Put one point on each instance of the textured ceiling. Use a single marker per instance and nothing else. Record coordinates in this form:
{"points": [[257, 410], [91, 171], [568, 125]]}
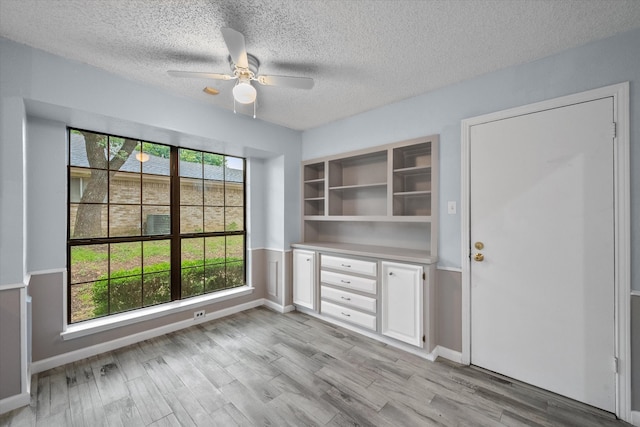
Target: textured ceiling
{"points": [[361, 54]]}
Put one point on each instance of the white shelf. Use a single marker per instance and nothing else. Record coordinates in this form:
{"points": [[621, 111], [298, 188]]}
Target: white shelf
{"points": [[357, 186], [364, 218]]}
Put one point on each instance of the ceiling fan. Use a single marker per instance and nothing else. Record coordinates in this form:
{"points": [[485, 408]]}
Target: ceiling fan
{"points": [[244, 69]]}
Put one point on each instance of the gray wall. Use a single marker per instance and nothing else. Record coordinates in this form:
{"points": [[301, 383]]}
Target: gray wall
{"points": [[10, 381], [602, 63], [635, 351]]}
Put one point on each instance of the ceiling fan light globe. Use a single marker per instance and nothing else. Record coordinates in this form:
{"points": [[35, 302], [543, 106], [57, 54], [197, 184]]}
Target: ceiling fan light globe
{"points": [[244, 93]]}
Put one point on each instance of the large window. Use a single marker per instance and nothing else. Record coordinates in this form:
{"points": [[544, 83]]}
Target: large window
{"points": [[150, 223]]}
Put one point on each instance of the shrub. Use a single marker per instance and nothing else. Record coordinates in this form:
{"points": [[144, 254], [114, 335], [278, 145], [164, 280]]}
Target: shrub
{"points": [[124, 291]]}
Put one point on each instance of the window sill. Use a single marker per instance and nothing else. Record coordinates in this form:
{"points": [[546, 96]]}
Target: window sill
{"points": [[136, 316]]}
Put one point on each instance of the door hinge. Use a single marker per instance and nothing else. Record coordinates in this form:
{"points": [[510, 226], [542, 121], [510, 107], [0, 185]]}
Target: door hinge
{"points": [[424, 338], [424, 276], [614, 132], [616, 364]]}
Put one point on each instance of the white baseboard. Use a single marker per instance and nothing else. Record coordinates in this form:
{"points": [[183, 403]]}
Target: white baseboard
{"points": [[73, 356], [14, 402], [635, 418], [447, 353], [277, 307]]}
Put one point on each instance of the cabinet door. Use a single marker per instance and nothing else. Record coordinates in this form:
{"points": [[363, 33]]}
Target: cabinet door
{"points": [[402, 302], [304, 278]]}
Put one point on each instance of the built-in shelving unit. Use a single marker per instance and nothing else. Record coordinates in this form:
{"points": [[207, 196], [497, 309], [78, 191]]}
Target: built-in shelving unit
{"points": [[314, 189], [383, 196]]}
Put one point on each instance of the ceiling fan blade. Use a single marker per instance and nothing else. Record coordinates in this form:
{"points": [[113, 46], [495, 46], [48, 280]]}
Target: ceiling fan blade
{"points": [[200, 75], [235, 43], [286, 81]]}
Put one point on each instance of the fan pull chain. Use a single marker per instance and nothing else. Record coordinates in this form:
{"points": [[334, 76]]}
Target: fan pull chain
{"points": [[254, 109], [234, 105]]}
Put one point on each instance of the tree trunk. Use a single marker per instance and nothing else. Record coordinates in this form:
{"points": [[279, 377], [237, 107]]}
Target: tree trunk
{"points": [[89, 215]]}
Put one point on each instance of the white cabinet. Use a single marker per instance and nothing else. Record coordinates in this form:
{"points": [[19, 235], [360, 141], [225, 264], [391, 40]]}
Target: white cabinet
{"points": [[402, 302], [304, 278]]}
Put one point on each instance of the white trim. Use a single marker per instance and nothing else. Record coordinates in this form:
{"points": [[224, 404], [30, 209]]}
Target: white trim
{"points": [[277, 307], [456, 269], [635, 293], [620, 94], [48, 271], [14, 402], [10, 286], [446, 353], [635, 418], [143, 314], [83, 353]]}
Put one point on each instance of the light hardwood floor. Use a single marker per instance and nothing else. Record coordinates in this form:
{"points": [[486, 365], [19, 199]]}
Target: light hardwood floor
{"points": [[260, 368]]}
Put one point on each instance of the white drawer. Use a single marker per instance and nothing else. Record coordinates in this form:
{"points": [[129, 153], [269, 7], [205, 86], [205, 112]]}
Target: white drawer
{"points": [[349, 315], [347, 264], [346, 281], [349, 299]]}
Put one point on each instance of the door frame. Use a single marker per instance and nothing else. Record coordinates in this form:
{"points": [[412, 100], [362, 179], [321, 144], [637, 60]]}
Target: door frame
{"points": [[622, 227]]}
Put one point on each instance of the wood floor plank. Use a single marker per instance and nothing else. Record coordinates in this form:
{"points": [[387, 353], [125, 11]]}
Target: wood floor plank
{"points": [[123, 413], [268, 369], [147, 398]]}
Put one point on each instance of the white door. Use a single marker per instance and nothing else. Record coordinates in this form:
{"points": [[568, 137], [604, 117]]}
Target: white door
{"points": [[304, 267], [542, 300], [402, 308]]}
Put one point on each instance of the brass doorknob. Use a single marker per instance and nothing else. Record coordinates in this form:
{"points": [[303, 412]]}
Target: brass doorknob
{"points": [[478, 257], [479, 246]]}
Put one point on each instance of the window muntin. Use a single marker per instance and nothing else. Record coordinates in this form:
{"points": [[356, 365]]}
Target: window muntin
{"points": [[121, 249]]}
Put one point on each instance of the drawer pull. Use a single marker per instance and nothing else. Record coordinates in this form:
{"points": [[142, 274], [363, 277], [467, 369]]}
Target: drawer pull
{"points": [[346, 298], [346, 265], [345, 314], [345, 281]]}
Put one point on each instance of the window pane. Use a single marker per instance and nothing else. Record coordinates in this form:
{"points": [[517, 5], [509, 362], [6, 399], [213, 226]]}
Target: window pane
{"points": [[124, 188], [233, 194], [192, 252], [157, 161], [87, 302], [190, 163], [156, 190], [82, 142], [235, 274], [125, 293], [126, 259], [121, 155], [124, 220], [190, 191], [192, 281], [94, 185], [215, 250], [191, 219], [234, 219], [213, 219], [156, 220], [87, 221], [89, 263], [214, 277], [213, 193], [156, 288], [235, 247], [156, 256]]}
